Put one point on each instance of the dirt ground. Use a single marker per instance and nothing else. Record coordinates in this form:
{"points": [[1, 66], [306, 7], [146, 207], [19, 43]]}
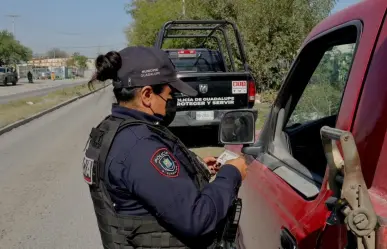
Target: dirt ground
{"points": [[208, 151], [202, 142]]}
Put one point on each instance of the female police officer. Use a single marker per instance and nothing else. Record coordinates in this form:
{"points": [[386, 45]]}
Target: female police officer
{"points": [[148, 190]]}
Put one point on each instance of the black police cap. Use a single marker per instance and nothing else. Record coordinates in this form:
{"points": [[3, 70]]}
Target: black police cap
{"points": [[146, 66]]}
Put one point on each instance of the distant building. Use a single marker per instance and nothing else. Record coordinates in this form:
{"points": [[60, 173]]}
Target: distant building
{"points": [[54, 62], [44, 66], [91, 64]]}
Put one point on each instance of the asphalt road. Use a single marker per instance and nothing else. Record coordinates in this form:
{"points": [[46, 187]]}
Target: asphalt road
{"points": [[44, 202], [39, 88]]}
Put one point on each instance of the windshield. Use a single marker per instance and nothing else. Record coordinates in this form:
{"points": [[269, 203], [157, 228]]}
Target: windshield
{"points": [[2, 70], [205, 61]]}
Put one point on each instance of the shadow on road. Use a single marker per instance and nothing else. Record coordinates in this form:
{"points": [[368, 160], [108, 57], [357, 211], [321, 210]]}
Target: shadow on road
{"points": [[196, 138], [10, 85]]}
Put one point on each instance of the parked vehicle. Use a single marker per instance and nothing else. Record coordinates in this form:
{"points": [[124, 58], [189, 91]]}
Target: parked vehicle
{"points": [[311, 186], [8, 76], [42, 73], [221, 86]]}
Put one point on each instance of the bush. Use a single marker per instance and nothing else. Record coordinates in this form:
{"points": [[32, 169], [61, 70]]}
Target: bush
{"points": [[272, 30], [268, 96], [317, 101]]}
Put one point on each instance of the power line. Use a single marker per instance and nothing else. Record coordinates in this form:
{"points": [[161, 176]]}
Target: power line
{"points": [[94, 46], [82, 33], [68, 33], [13, 16], [98, 48]]}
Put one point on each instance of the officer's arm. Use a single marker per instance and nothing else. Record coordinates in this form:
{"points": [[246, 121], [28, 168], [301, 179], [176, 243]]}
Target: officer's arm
{"points": [[160, 181]]}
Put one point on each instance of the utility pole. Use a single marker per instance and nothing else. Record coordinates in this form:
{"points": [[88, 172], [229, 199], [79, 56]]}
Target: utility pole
{"points": [[183, 8], [13, 16]]}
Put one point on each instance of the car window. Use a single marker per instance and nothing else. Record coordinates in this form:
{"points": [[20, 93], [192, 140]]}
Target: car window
{"points": [[2, 70], [201, 61], [322, 96]]}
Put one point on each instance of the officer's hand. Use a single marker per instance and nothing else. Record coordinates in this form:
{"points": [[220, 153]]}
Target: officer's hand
{"points": [[212, 165], [240, 164], [209, 160]]}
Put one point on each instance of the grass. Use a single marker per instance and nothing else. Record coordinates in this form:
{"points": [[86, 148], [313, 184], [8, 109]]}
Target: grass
{"points": [[263, 111], [24, 108]]}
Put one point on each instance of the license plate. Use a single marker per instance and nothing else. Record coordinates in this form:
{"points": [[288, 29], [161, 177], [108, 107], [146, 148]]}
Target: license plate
{"points": [[205, 115]]}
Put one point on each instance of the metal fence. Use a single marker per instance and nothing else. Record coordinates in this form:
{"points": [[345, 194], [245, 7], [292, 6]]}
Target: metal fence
{"points": [[40, 72], [22, 70]]}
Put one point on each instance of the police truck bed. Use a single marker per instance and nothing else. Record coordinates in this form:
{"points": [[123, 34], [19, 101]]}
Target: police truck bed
{"points": [[221, 87]]}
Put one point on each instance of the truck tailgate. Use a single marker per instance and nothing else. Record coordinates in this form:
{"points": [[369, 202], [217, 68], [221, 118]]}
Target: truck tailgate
{"points": [[216, 91]]}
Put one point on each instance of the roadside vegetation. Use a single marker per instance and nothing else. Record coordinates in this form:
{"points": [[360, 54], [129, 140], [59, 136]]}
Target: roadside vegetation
{"points": [[24, 108], [11, 50], [272, 32]]}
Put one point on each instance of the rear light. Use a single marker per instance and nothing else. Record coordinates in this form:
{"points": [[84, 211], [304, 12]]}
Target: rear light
{"points": [[251, 91], [187, 53]]}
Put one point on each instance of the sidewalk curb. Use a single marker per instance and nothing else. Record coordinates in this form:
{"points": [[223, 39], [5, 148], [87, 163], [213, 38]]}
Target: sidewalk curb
{"points": [[40, 114]]}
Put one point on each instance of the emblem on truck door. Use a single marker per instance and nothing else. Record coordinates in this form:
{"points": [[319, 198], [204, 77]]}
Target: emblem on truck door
{"points": [[203, 88]]}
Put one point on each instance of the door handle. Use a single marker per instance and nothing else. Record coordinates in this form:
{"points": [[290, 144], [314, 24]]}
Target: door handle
{"points": [[287, 240]]}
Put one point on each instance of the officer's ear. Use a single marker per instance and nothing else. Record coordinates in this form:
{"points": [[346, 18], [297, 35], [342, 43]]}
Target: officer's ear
{"points": [[146, 95]]}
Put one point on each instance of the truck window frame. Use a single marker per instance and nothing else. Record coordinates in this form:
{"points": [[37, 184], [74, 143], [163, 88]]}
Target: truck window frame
{"points": [[298, 176]]}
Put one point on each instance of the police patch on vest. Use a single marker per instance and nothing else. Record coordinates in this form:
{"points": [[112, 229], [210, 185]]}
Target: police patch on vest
{"points": [[165, 163], [88, 170]]}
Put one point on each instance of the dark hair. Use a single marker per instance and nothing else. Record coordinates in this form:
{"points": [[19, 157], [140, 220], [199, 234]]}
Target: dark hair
{"points": [[107, 68]]}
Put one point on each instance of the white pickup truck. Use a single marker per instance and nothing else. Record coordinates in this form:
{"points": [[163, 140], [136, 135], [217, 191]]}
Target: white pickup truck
{"points": [[7, 76]]}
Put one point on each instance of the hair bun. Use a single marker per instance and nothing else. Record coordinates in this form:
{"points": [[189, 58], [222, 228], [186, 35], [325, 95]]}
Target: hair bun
{"points": [[108, 65]]}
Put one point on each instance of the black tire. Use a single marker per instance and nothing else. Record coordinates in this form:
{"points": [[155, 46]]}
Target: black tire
{"points": [[5, 81], [14, 83]]}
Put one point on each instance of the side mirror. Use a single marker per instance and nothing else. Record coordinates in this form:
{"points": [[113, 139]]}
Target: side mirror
{"points": [[237, 127]]}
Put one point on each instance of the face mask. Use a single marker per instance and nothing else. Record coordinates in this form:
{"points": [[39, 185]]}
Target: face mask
{"points": [[170, 112]]}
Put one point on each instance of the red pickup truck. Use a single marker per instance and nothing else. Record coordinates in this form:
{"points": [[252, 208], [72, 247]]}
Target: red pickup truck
{"points": [[305, 186]]}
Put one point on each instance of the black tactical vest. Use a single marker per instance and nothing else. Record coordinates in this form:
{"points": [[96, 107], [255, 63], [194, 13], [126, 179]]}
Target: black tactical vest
{"points": [[123, 231]]}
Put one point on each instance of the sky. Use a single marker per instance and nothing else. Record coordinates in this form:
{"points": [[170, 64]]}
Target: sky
{"points": [[86, 26]]}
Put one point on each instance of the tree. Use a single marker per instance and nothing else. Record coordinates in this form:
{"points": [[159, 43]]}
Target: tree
{"points": [[11, 50], [148, 17], [272, 30], [56, 53], [77, 60], [322, 96]]}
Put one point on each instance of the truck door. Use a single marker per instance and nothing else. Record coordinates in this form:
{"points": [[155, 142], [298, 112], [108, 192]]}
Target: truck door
{"points": [[285, 190]]}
